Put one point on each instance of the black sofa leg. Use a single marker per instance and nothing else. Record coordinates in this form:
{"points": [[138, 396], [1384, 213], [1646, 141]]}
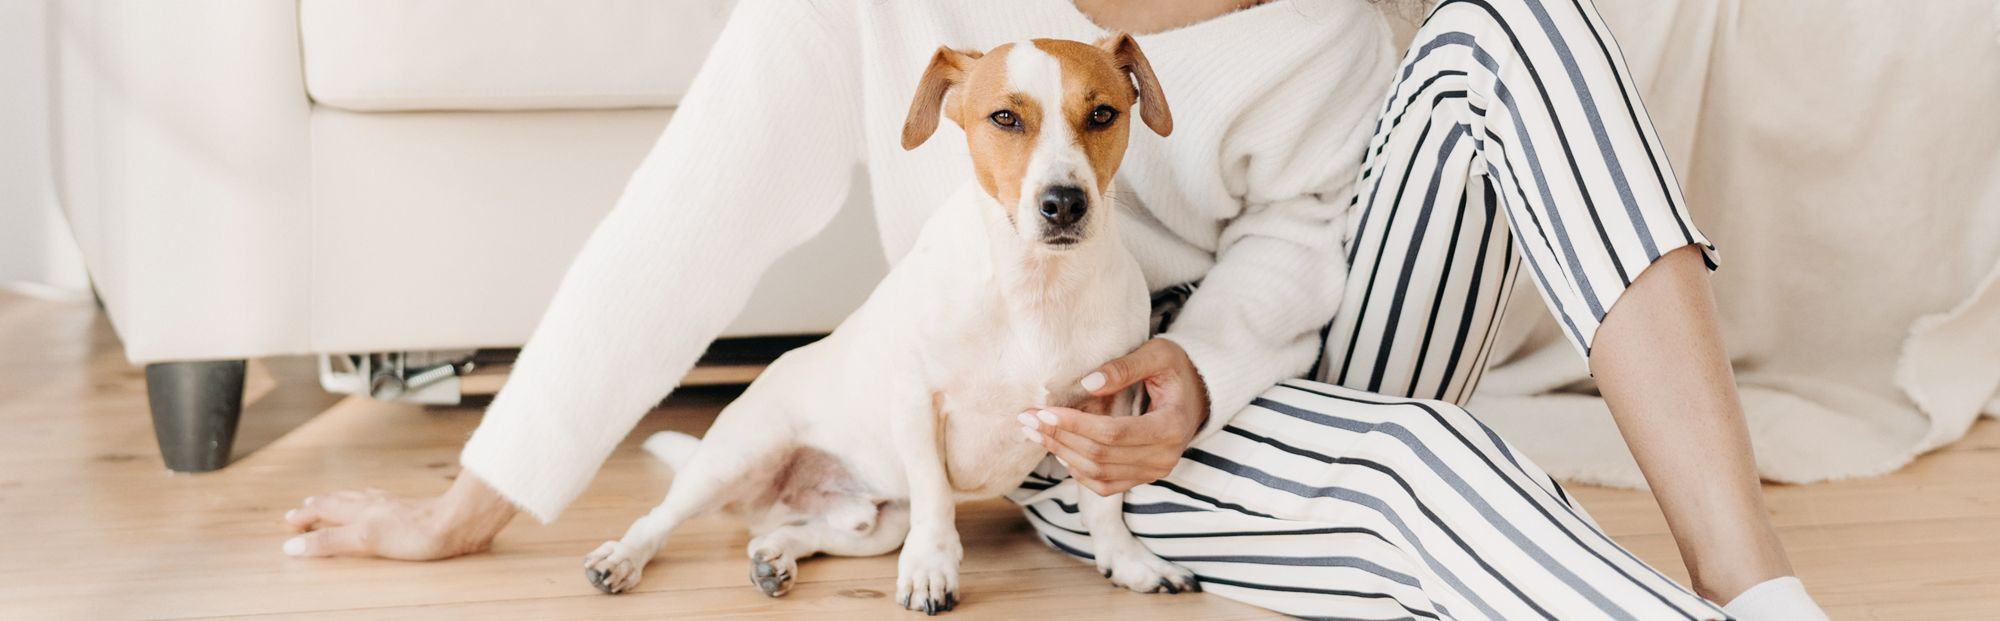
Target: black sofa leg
{"points": [[195, 409]]}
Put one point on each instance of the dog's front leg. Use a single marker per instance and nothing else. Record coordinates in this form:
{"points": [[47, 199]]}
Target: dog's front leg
{"points": [[1120, 556], [927, 572]]}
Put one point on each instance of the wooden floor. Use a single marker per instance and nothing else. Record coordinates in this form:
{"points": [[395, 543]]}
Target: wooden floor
{"points": [[92, 527]]}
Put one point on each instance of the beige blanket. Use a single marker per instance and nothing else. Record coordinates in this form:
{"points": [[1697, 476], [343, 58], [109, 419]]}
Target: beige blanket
{"points": [[1845, 158]]}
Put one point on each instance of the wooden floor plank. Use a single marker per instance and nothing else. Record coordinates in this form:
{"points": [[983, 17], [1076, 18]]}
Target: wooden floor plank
{"points": [[96, 529]]}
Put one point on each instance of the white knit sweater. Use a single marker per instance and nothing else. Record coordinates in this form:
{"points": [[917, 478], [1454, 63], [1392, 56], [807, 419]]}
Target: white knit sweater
{"points": [[1273, 107]]}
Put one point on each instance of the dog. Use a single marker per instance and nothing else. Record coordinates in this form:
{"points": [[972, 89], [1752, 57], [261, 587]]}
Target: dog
{"points": [[1018, 286]]}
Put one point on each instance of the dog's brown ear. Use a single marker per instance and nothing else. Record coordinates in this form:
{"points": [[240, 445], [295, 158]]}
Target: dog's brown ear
{"points": [[946, 71], [1152, 101]]}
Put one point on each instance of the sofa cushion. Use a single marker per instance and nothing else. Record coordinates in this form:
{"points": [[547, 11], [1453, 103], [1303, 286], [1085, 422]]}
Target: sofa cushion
{"points": [[382, 55]]}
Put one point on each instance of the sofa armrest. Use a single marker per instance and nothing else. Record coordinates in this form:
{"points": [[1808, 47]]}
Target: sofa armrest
{"points": [[180, 139]]}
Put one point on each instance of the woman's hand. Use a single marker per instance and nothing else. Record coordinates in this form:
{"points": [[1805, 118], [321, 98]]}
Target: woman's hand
{"points": [[1110, 455], [374, 523]]}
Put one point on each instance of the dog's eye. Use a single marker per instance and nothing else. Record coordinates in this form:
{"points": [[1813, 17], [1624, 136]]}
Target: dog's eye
{"points": [[1006, 119], [1103, 116]]}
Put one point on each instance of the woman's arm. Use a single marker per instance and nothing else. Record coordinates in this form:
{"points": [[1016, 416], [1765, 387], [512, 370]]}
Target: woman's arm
{"points": [[756, 160], [1660, 364]]}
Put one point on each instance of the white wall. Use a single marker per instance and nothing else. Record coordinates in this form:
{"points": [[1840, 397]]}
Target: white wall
{"points": [[36, 250]]}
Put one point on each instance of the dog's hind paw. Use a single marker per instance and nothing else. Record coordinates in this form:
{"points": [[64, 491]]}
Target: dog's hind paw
{"points": [[612, 568], [1139, 570], [772, 571]]}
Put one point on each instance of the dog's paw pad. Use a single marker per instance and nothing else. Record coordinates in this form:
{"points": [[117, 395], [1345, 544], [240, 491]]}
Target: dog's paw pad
{"points": [[605, 581], [775, 586], [772, 572], [611, 569], [600, 579]]}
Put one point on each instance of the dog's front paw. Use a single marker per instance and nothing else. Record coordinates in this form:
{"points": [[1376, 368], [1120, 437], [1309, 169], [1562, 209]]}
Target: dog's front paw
{"points": [[614, 567], [927, 575], [1132, 566]]}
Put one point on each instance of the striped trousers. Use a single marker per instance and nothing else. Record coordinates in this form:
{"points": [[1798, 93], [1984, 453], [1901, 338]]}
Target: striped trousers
{"points": [[1513, 133]]}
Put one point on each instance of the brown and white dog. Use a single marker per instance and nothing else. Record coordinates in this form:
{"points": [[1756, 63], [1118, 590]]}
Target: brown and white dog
{"points": [[1015, 289]]}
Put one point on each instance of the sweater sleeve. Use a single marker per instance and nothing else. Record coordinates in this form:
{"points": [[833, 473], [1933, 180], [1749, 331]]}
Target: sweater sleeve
{"points": [[1255, 319], [1279, 268], [756, 160]]}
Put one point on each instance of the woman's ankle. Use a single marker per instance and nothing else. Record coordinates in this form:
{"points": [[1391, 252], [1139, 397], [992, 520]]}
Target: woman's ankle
{"points": [[1724, 562], [1725, 581]]}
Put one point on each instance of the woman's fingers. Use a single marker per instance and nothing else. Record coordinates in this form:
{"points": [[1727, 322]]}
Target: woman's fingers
{"points": [[1145, 463], [337, 508], [1082, 465], [1086, 447], [1127, 450], [302, 519], [1148, 360], [1051, 422], [351, 540], [1107, 430], [338, 524]]}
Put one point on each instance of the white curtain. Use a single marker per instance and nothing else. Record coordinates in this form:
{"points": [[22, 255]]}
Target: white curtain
{"points": [[1844, 155], [37, 254]]}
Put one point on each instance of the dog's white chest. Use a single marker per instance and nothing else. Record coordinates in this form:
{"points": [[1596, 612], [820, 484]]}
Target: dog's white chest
{"points": [[1000, 328], [1023, 368]]}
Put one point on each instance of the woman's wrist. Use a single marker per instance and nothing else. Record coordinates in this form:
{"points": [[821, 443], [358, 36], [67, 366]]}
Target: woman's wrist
{"points": [[471, 512]]}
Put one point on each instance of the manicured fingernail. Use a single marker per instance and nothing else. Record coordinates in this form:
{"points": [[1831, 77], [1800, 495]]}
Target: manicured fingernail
{"points": [[1093, 381], [295, 546], [1059, 460], [1046, 416], [1031, 435], [292, 515], [1026, 420]]}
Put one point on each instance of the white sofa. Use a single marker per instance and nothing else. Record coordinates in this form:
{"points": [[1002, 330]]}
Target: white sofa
{"points": [[252, 179]]}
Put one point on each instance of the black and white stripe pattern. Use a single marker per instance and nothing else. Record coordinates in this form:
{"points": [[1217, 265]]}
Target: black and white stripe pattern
{"points": [[1513, 131], [1329, 502]]}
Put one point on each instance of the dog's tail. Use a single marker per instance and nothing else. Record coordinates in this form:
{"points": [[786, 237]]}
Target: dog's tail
{"points": [[673, 447]]}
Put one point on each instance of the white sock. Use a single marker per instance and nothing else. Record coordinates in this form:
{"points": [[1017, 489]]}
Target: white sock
{"points": [[1777, 599]]}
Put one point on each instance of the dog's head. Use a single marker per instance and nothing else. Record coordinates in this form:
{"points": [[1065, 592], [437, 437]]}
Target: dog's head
{"points": [[1047, 124]]}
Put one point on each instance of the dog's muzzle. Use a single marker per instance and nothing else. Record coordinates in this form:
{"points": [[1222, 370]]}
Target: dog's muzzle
{"points": [[1062, 208]]}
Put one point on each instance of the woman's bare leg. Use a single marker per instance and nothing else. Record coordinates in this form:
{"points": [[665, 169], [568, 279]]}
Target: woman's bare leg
{"points": [[1660, 363]]}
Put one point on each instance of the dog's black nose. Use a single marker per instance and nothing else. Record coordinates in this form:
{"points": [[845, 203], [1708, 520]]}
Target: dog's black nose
{"points": [[1064, 205]]}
